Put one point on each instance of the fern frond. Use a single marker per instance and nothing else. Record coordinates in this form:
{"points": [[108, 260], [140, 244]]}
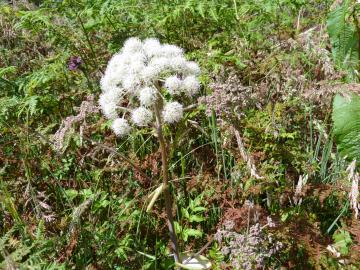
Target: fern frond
{"points": [[344, 38]]}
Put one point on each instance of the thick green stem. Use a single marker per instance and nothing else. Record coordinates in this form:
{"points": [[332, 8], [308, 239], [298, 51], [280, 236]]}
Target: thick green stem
{"points": [[168, 201]]}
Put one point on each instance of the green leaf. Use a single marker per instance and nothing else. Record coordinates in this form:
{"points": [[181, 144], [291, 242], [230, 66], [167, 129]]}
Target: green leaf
{"points": [[343, 37], [87, 193], [196, 218], [198, 209], [193, 232], [185, 213], [71, 193], [284, 217], [200, 9], [342, 241], [346, 118], [178, 227]]}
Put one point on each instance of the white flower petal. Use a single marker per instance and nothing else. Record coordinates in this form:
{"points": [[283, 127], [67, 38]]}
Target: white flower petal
{"points": [[171, 50], [178, 64]]}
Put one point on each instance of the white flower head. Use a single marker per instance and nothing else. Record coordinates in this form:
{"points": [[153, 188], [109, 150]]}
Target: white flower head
{"points": [[173, 112], [132, 45], [173, 84], [109, 110], [115, 61], [152, 47], [191, 85], [136, 69], [141, 72], [160, 63], [138, 57], [141, 116], [109, 81], [121, 127], [171, 50], [130, 83], [192, 68], [179, 64], [150, 73], [148, 96], [108, 102]]}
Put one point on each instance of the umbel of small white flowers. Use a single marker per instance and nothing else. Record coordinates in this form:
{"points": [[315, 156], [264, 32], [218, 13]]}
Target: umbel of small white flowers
{"points": [[141, 75]]}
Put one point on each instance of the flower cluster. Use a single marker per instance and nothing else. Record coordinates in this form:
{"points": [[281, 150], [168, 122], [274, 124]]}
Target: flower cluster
{"points": [[142, 75], [248, 250], [229, 97], [74, 62]]}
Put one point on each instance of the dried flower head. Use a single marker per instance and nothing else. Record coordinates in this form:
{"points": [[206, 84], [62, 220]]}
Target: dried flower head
{"points": [[140, 77]]}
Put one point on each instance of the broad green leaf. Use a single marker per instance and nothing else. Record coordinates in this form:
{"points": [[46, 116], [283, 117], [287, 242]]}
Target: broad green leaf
{"points": [[198, 209], [185, 213], [346, 118], [71, 193], [196, 218], [193, 232]]}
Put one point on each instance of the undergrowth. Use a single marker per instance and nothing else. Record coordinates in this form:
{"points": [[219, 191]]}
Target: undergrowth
{"points": [[268, 152]]}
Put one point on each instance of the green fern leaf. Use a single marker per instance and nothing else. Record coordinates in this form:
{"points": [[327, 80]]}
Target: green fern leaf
{"points": [[343, 37]]}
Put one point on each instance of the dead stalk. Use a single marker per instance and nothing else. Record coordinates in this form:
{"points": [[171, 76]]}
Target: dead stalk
{"points": [[245, 156]]}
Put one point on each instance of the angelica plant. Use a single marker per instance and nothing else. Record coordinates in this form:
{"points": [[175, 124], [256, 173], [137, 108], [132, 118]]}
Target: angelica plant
{"points": [[142, 87]]}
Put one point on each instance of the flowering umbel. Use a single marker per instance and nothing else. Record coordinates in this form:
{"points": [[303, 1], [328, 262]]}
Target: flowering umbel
{"points": [[141, 75]]}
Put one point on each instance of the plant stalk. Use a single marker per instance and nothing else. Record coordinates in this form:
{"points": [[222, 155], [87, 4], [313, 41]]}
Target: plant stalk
{"points": [[167, 196]]}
